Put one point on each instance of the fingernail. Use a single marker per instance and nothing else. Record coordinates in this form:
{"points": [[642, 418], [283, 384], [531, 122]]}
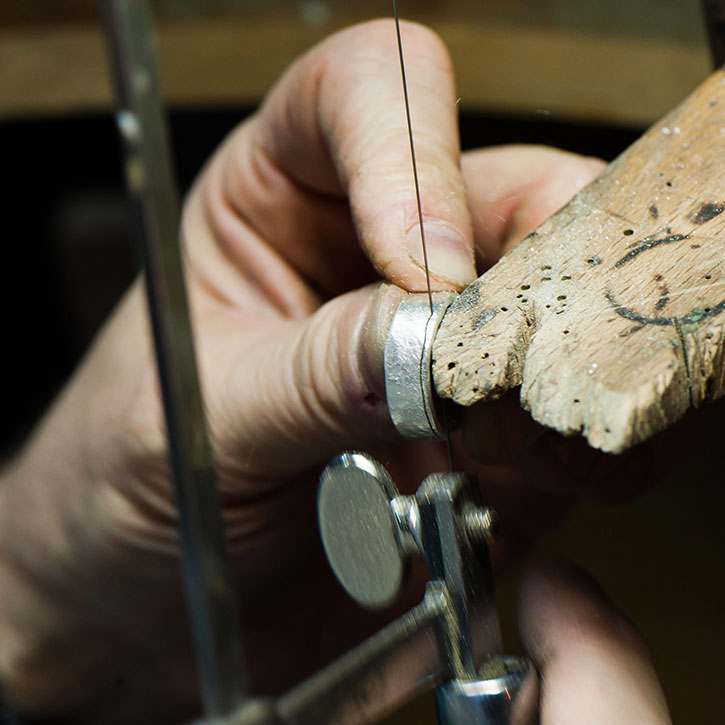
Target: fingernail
{"points": [[450, 257]]}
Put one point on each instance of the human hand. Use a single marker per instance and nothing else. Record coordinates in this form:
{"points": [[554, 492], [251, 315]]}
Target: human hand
{"points": [[306, 203], [593, 666]]}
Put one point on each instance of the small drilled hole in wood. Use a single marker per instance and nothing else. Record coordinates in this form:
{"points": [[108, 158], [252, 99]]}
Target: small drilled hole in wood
{"points": [[565, 278], [561, 297], [708, 276], [504, 309], [451, 365], [576, 400], [525, 286], [628, 232]]}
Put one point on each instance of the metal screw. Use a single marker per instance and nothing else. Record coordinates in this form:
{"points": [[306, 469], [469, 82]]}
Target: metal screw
{"points": [[407, 518], [480, 524]]}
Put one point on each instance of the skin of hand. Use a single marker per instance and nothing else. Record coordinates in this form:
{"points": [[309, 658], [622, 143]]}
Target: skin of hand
{"points": [[593, 666], [301, 210]]}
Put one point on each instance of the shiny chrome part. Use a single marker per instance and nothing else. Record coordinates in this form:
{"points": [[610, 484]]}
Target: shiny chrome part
{"points": [[150, 179], [360, 531], [389, 667], [405, 510], [464, 569], [480, 524], [407, 364], [510, 698], [441, 639]]}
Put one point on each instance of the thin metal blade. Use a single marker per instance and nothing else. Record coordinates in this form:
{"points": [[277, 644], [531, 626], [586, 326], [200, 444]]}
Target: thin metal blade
{"points": [[412, 153], [208, 578], [446, 422]]}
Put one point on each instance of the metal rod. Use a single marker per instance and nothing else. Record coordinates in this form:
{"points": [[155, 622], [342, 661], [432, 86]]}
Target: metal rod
{"points": [[207, 572], [366, 682]]}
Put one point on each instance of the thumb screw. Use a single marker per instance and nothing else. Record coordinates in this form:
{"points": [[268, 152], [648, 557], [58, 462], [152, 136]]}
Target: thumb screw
{"points": [[480, 524]]}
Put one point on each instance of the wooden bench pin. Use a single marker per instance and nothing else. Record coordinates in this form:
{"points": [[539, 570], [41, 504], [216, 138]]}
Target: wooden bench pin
{"points": [[611, 315]]}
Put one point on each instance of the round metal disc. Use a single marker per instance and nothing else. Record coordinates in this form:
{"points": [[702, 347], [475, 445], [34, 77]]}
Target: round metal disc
{"points": [[358, 529]]}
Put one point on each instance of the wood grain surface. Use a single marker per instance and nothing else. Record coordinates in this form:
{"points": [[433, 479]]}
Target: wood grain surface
{"points": [[610, 315]]}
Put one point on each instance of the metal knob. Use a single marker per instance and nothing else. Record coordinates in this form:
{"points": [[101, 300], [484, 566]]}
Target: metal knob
{"points": [[360, 530]]}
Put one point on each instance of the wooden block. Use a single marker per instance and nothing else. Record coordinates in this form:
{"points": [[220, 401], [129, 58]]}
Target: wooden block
{"points": [[610, 315]]}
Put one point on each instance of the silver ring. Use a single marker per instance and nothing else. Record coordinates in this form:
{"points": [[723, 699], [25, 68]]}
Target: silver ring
{"points": [[407, 365]]}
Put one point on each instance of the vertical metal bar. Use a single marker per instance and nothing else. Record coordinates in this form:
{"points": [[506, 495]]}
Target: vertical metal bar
{"points": [[207, 572]]}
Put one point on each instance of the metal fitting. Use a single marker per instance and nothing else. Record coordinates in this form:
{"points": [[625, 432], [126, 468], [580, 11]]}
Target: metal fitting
{"points": [[480, 524]]}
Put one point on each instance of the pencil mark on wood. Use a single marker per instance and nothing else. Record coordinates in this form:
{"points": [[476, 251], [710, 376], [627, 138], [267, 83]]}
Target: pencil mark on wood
{"points": [[666, 231], [707, 212], [648, 243], [485, 317], [663, 301], [631, 330], [693, 317]]}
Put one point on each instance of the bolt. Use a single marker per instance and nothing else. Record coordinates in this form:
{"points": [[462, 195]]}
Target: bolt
{"points": [[407, 518], [480, 524]]}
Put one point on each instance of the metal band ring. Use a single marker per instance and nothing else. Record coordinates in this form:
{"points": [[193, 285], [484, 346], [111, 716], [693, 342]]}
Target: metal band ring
{"points": [[407, 364]]}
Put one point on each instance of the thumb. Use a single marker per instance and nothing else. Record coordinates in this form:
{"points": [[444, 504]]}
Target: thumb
{"points": [[305, 390]]}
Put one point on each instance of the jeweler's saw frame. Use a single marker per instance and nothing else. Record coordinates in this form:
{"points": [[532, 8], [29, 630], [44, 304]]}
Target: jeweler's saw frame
{"points": [[440, 642]]}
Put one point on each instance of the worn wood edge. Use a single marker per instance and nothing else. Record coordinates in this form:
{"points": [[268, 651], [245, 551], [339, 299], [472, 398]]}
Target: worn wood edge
{"points": [[612, 422], [499, 68]]}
